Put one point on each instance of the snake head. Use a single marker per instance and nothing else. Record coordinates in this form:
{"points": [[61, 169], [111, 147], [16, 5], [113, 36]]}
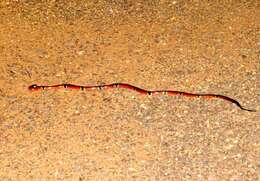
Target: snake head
{"points": [[33, 87]]}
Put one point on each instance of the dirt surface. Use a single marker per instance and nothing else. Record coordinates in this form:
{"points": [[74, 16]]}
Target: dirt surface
{"points": [[194, 46]]}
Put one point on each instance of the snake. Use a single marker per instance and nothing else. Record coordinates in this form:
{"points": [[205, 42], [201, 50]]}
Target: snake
{"points": [[35, 87]]}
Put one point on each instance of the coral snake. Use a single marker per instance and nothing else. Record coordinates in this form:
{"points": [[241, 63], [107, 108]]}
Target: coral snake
{"points": [[36, 87]]}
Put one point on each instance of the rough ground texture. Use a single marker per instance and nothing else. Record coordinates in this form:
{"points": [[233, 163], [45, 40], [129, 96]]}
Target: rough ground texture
{"points": [[195, 46]]}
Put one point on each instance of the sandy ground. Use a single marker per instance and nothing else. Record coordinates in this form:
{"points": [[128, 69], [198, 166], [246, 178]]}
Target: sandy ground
{"points": [[195, 46]]}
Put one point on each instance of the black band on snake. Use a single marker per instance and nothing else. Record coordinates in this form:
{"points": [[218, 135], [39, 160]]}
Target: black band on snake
{"points": [[36, 87]]}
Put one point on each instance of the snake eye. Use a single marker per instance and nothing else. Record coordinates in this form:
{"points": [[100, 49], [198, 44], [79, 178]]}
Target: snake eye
{"points": [[32, 87]]}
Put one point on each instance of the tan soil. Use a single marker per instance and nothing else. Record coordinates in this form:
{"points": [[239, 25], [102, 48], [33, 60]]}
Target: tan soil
{"points": [[196, 46]]}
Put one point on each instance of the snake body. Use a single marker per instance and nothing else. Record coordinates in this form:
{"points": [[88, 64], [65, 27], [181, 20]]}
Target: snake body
{"points": [[36, 87]]}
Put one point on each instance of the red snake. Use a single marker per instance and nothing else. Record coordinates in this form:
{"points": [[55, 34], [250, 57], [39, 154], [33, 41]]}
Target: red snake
{"points": [[36, 87]]}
